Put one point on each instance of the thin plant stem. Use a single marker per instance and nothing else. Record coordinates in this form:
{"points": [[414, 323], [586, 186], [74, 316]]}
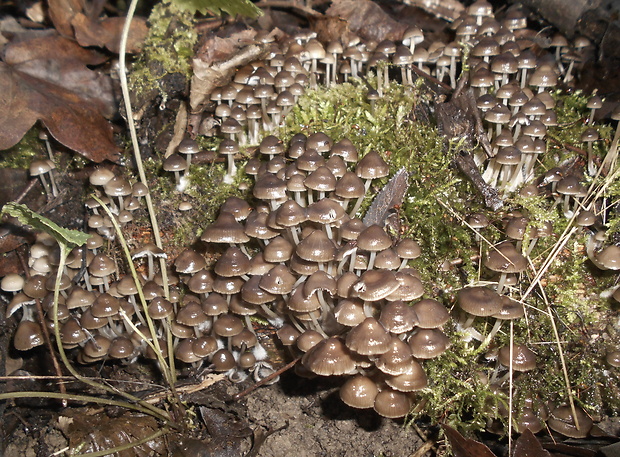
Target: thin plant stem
{"points": [[167, 370], [134, 140], [157, 412], [83, 399]]}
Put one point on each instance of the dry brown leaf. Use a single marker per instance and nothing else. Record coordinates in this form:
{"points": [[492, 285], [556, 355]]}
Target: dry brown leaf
{"points": [[216, 62], [107, 32], [465, 447], [63, 62], [74, 18], [99, 432], [69, 119], [367, 19], [528, 446], [62, 12]]}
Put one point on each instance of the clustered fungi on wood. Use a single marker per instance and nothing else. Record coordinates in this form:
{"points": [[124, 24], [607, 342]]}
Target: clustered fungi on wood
{"points": [[304, 261]]}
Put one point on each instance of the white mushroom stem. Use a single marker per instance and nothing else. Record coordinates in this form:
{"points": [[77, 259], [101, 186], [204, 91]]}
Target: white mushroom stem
{"points": [[501, 283], [591, 245], [229, 178], [316, 324]]}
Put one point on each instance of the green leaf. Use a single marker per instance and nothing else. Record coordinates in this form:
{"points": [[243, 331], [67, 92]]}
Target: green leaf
{"points": [[26, 216], [232, 7]]}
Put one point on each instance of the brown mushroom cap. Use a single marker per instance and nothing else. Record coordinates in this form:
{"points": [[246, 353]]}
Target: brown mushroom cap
{"points": [[375, 285], [330, 357], [372, 166], [431, 313], [359, 392], [232, 263], [225, 229], [479, 301], [562, 421], [412, 379], [523, 359], [392, 404], [350, 312], [189, 262], [396, 359], [397, 317], [368, 338], [428, 343], [316, 247], [223, 360], [27, 336]]}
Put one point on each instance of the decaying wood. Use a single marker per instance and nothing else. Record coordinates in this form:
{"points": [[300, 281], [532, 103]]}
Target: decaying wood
{"points": [[458, 119]]}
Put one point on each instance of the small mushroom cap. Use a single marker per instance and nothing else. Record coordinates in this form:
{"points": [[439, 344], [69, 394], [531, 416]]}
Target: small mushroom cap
{"points": [[431, 313], [350, 312], [609, 257], [562, 421], [12, 283], [278, 281], [232, 263], [308, 339], [121, 348], [288, 334], [368, 338], [392, 404], [359, 392], [523, 359], [204, 346], [375, 285], [225, 229], [372, 166], [27, 336], [191, 315], [428, 343], [189, 262], [223, 360], [374, 239], [316, 247], [412, 379], [479, 301], [398, 317], [330, 357], [396, 359], [184, 351]]}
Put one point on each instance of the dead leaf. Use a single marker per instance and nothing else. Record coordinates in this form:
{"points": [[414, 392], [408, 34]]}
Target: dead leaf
{"points": [[69, 119], [62, 12], [76, 18], [217, 60], [99, 432], [63, 62], [528, 446], [367, 19], [107, 32], [465, 447]]}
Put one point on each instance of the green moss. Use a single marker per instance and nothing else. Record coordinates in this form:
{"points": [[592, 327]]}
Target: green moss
{"points": [[436, 203], [167, 50], [28, 149]]}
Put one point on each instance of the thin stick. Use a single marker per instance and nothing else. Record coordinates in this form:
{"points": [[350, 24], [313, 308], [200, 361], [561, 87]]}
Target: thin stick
{"points": [[134, 140], [562, 359], [510, 387], [266, 380]]}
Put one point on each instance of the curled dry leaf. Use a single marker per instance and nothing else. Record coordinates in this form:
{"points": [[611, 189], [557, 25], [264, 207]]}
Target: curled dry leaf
{"points": [[69, 119], [77, 18], [64, 63], [107, 32], [367, 19], [216, 62]]}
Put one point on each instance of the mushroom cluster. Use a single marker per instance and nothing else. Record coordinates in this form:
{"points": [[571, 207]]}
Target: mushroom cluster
{"points": [[338, 288]]}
